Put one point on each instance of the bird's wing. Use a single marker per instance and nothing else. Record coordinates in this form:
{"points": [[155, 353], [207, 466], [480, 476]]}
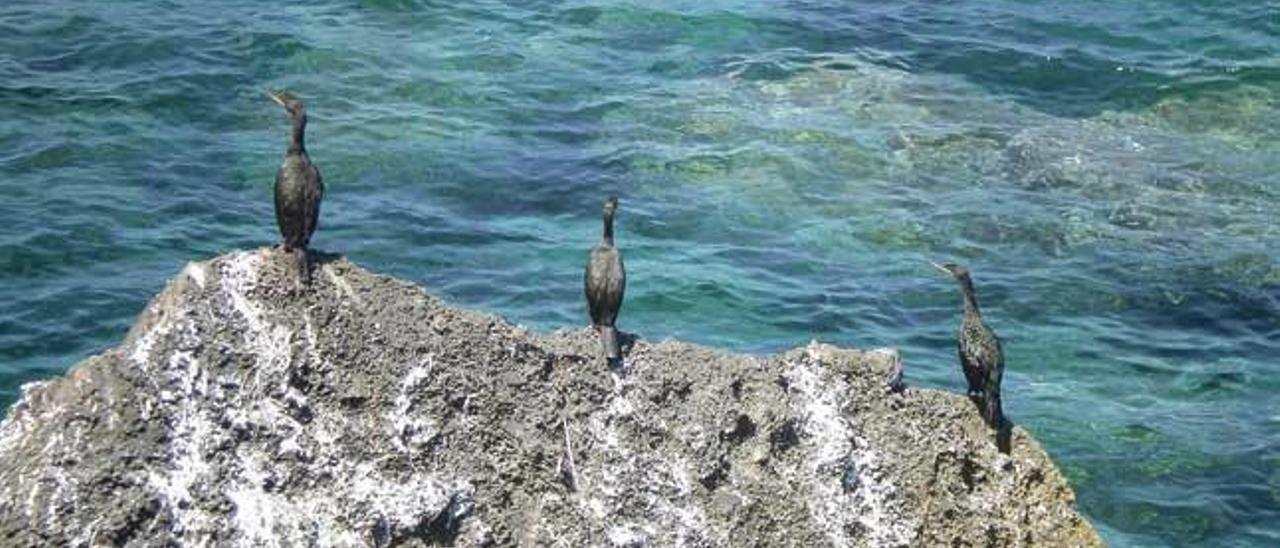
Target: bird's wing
{"points": [[984, 355], [992, 411], [278, 189], [616, 286], [970, 359], [604, 284], [280, 200], [995, 372], [622, 285], [964, 357], [315, 196], [593, 282]]}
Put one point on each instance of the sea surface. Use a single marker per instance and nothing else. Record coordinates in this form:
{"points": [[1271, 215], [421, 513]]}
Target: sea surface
{"points": [[1110, 172]]}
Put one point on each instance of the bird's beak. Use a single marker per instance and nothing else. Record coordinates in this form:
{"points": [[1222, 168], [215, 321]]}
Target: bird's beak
{"points": [[939, 267], [275, 97]]}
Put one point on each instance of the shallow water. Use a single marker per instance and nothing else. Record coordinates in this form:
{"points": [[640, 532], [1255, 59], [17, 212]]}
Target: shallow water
{"points": [[1110, 173]]}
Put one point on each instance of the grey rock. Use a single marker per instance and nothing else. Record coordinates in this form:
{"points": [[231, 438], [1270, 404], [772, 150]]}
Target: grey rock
{"points": [[366, 412]]}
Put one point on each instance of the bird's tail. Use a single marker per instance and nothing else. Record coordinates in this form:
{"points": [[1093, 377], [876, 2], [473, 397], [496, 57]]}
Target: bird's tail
{"points": [[609, 340], [992, 412], [304, 270]]}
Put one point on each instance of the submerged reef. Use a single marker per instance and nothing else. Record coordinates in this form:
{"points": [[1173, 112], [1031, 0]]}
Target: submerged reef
{"points": [[363, 411]]}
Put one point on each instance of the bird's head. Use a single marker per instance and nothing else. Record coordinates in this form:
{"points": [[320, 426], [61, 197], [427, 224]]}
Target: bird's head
{"points": [[611, 206], [289, 102], [955, 270]]}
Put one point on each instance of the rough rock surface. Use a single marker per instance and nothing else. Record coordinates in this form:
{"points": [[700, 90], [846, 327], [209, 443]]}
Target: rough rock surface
{"points": [[240, 411]]}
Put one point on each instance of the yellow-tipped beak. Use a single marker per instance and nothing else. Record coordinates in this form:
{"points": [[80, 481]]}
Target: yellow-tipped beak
{"points": [[939, 267], [275, 97]]}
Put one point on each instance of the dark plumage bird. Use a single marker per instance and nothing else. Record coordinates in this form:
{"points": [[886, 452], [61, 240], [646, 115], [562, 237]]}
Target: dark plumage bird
{"points": [[299, 189], [605, 282], [980, 355]]}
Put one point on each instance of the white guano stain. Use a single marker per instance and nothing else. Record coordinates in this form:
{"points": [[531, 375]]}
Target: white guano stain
{"points": [[409, 432], [620, 465], [361, 501], [832, 446], [196, 272], [188, 434], [22, 420]]}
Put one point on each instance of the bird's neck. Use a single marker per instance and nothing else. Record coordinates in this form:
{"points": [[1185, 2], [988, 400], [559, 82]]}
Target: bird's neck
{"points": [[970, 298], [297, 141], [608, 230]]}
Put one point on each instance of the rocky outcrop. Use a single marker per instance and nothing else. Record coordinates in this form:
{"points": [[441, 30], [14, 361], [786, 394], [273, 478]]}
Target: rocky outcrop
{"points": [[241, 411]]}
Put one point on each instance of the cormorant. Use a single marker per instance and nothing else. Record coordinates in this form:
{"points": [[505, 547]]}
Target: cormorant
{"points": [[605, 282], [980, 355], [299, 188]]}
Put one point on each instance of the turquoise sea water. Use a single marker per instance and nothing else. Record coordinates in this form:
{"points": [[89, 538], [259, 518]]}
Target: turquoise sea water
{"points": [[1110, 171]]}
